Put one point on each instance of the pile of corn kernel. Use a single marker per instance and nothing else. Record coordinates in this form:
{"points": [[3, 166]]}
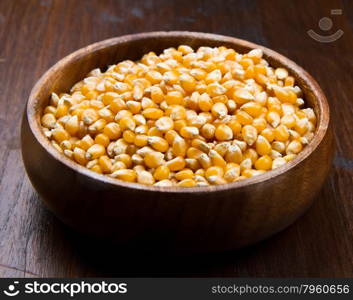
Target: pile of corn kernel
{"points": [[182, 118]]}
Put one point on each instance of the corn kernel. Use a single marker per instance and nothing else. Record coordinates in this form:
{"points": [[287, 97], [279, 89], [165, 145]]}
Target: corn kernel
{"points": [[223, 133], [176, 164], [264, 163]]}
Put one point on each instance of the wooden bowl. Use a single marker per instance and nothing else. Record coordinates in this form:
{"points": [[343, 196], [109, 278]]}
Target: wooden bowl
{"points": [[211, 218]]}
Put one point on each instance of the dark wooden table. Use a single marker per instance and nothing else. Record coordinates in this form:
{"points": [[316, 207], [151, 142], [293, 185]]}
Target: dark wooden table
{"points": [[35, 34]]}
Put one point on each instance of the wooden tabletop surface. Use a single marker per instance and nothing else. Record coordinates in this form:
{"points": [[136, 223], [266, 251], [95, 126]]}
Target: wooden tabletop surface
{"points": [[34, 34]]}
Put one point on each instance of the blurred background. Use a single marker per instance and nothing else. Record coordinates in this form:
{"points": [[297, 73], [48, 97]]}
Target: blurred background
{"points": [[34, 34]]}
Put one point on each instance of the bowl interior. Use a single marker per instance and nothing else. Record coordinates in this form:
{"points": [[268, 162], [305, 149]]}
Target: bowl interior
{"points": [[73, 68]]}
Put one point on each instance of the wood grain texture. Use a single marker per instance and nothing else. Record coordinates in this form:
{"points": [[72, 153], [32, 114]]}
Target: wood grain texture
{"points": [[35, 34]]}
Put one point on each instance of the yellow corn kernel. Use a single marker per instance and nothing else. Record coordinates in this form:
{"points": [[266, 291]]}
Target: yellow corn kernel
{"points": [[95, 151], [187, 82], [154, 77], [274, 105], [66, 145], [105, 164], [102, 139], [89, 116], [153, 159], [138, 91], [285, 95], [252, 154], [251, 172], [205, 102], [219, 110], [193, 152], [61, 110], [49, 121], [97, 168], [263, 146], [141, 140], [164, 183], [223, 133], [161, 173], [214, 171], [134, 106], [158, 143], [231, 105], [281, 73], [244, 118], [187, 183], [204, 160], [50, 110], [249, 134], [222, 148], [170, 135], [60, 134], [126, 123], [176, 164], [145, 177], [179, 146], [97, 126], [153, 131], [179, 124], [273, 118], [129, 136], [86, 142], [233, 154], [184, 174], [268, 134], [213, 76], [302, 126], [289, 157], [118, 165], [216, 180], [125, 175], [174, 97], [264, 163], [278, 146], [164, 124], [289, 81], [232, 173], [108, 97], [80, 156], [288, 121], [278, 162], [200, 172], [136, 159], [112, 130], [189, 132], [294, 147], [254, 109], [201, 145], [157, 94], [192, 164], [281, 133], [72, 125], [152, 113], [260, 124], [208, 131], [217, 159], [117, 105], [224, 99], [215, 89], [125, 158], [242, 96]]}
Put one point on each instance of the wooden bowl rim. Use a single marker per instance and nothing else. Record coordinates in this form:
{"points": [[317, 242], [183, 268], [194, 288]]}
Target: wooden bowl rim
{"points": [[322, 123]]}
